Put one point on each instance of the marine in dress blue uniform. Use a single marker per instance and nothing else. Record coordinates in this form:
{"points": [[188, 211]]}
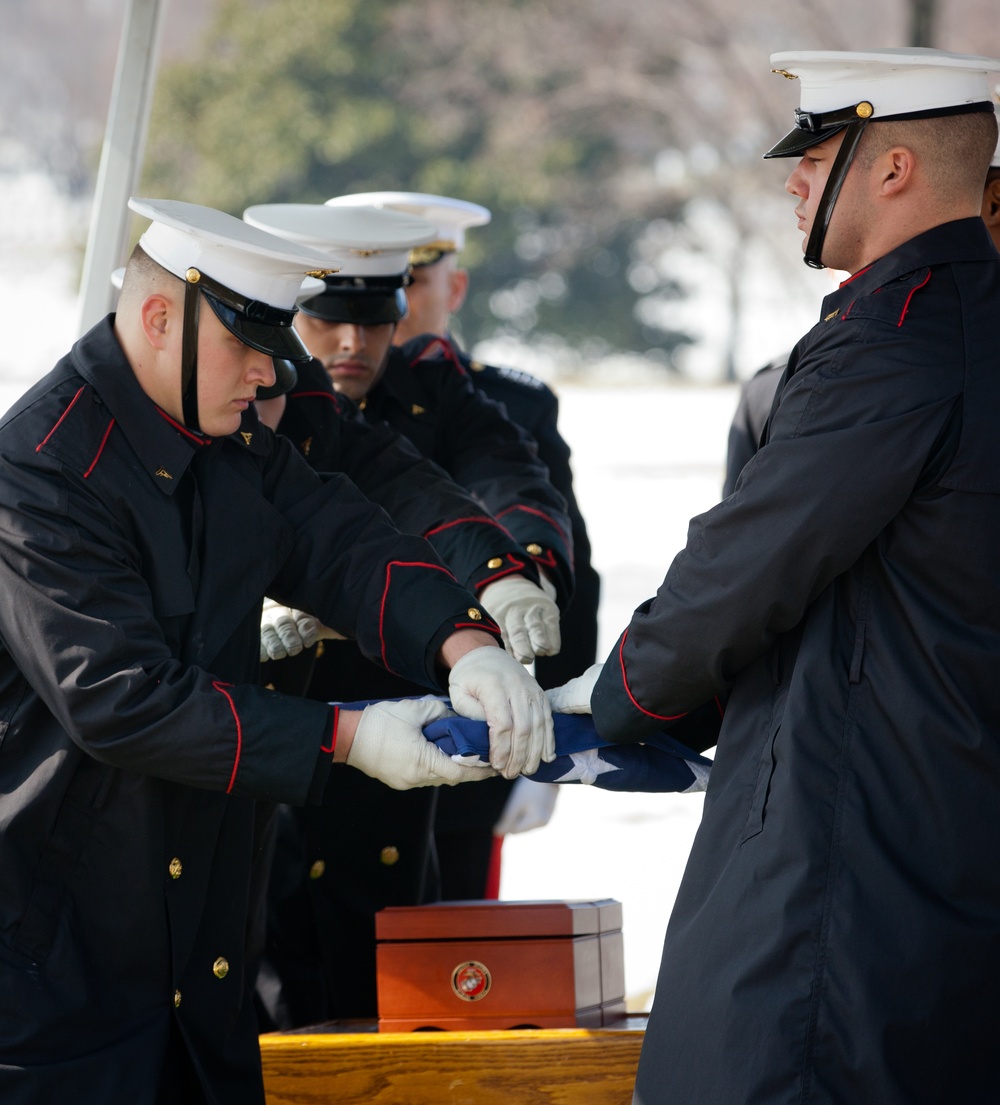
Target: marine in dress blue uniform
{"points": [[138, 538], [319, 883], [836, 936], [468, 846]]}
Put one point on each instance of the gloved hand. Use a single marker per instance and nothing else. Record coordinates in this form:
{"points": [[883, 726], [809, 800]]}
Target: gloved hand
{"points": [[529, 806], [488, 685], [527, 615], [574, 697], [286, 632], [389, 745]]}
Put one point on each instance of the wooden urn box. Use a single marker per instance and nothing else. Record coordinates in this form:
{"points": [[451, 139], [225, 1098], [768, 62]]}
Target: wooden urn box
{"points": [[500, 965]]}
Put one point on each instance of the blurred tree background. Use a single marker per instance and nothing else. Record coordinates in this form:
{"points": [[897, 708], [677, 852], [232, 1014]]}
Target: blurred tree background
{"points": [[617, 146]]}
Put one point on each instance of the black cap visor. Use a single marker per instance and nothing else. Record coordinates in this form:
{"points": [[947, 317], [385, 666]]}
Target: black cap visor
{"points": [[359, 306], [797, 141], [276, 336]]}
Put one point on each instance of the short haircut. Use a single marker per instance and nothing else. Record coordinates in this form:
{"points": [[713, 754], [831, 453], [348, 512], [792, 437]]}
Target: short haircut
{"points": [[143, 275], [955, 150]]}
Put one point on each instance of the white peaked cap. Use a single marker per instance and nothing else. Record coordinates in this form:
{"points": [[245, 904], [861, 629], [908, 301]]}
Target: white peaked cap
{"points": [[361, 241], [451, 217], [243, 258], [895, 81]]}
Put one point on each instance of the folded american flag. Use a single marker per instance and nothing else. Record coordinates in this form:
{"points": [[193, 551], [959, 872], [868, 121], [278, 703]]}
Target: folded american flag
{"points": [[661, 763]]}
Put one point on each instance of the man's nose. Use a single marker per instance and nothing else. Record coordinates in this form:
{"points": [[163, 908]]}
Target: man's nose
{"points": [[352, 338]]}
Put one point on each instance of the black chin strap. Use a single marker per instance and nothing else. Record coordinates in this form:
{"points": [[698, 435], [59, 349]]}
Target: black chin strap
{"points": [[824, 210], [189, 351]]}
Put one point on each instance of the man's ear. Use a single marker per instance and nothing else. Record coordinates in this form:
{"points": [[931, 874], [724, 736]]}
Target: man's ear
{"points": [[991, 203], [896, 168], [154, 317], [458, 286]]}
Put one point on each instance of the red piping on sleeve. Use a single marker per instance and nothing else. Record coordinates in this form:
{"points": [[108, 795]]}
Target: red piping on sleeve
{"points": [[648, 713], [513, 567], [484, 626], [221, 688], [104, 441], [718, 706], [333, 734], [464, 521], [913, 291], [44, 441], [385, 595], [538, 513]]}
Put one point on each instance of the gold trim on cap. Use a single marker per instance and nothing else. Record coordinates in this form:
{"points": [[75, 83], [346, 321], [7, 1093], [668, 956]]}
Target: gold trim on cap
{"points": [[318, 274], [784, 73], [367, 252], [865, 110]]}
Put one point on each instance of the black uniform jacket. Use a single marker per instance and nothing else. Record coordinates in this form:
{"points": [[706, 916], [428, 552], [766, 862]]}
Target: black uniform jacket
{"points": [[426, 395], [419, 496], [836, 936], [133, 559]]}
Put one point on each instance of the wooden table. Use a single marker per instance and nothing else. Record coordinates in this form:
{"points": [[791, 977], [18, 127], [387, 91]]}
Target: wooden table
{"points": [[349, 1063]]}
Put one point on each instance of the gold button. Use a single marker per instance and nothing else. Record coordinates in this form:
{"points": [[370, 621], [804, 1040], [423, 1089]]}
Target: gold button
{"points": [[389, 855], [475, 614], [496, 562], [177, 998], [535, 550], [317, 869], [220, 968], [175, 868], [865, 110]]}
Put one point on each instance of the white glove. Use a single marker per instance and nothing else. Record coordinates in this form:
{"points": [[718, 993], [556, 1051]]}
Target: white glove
{"points": [[286, 632], [389, 745], [529, 806], [527, 615], [574, 697], [491, 686]]}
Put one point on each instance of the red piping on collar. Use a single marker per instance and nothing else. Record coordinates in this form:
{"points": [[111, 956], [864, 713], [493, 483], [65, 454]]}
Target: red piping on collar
{"points": [[198, 439], [913, 292], [447, 351], [316, 395]]}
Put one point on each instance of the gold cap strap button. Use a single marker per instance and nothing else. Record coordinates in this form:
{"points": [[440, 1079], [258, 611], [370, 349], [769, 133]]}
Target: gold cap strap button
{"points": [[864, 110]]}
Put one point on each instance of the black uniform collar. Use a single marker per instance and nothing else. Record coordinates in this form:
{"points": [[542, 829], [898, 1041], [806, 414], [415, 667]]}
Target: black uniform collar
{"points": [[961, 240], [164, 447]]}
